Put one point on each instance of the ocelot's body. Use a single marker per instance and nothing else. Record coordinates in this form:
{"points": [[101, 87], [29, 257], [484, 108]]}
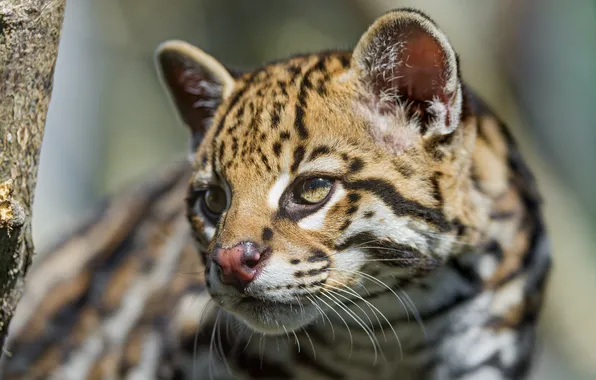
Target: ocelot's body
{"points": [[345, 216]]}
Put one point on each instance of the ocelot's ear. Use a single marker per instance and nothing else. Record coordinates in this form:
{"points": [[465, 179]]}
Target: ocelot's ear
{"points": [[196, 82], [407, 67]]}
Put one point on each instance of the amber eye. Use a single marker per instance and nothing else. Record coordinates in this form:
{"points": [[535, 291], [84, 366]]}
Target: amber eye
{"points": [[214, 202], [313, 190]]}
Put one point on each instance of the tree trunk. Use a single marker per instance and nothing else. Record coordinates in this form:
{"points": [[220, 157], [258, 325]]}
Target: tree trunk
{"points": [[29, 34]]}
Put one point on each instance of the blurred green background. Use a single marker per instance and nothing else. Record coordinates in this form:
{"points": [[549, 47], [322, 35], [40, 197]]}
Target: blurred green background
{"points": [[533, 61]]}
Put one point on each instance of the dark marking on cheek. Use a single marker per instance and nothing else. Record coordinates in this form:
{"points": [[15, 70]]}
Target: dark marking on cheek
{"points": [[369, 214], [318, 255], [352, 210], [295, 261], [314, 272], [360, 238], [299, 274], [354, 197], [345, 225], [399, 205], [267, 234], [298, 157], [356, 165], [345, 157]]}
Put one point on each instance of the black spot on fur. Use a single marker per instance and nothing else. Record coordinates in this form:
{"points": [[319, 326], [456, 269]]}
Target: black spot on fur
{"points": [[264, 159], [356, 165], [267, 234], [319, 151], [314, 272], [284, 136], [354, 197], [277, 149], [369, 214], [318, 255], [299, 123], [295, 261], [404, 169], [345, 60], [298, 157], [275, 116], [222, 149], [345, 225], [352, 210]]}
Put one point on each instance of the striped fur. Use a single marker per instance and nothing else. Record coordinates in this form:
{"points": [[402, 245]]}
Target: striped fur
{"points": [[427, 260]]}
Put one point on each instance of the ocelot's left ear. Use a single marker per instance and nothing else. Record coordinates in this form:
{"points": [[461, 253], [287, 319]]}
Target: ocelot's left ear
{"points": [[196, 82], [407, 67]]}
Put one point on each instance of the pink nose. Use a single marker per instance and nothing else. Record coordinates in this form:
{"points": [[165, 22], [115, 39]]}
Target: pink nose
{"points": [[237, 265]]}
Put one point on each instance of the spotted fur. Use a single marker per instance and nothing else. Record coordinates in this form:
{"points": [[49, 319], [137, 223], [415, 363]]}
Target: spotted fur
{"points": [[426, 260]]}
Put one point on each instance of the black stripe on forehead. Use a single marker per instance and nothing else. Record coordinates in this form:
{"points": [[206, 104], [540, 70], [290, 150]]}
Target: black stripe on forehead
{"points": [[305, 86], [231, 105], [400, 206]]}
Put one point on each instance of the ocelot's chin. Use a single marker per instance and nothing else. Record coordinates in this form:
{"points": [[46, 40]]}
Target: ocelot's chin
{"points": [[272, 317]]}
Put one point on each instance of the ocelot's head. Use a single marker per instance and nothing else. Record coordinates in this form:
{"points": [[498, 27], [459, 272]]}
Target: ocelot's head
{"points": [[314, 174]]}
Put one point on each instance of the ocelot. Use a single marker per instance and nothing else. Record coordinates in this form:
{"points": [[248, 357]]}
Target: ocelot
{"points": [[345, 215]]}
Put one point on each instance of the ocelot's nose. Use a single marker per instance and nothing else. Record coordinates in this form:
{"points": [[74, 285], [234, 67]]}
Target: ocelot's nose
{"points": [[238, 265]]}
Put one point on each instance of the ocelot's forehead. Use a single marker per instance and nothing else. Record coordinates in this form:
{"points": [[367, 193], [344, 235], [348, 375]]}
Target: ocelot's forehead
{"points": [[279, 113]]}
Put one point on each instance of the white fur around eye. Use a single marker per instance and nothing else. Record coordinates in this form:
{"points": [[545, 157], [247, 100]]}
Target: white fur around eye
{"points": [[322, 165], [277, 190]]}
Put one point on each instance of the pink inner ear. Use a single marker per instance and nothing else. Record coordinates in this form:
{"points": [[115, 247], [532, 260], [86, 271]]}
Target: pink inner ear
{"points": [[420, 74]]}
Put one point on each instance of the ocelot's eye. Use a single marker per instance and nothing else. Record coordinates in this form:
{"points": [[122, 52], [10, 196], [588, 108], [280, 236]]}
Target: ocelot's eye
{"points": [[312, 190], [214, 202]]}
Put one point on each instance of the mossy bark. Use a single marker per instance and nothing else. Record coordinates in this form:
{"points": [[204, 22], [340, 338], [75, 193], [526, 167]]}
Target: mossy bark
{"points": [[29, 35]]}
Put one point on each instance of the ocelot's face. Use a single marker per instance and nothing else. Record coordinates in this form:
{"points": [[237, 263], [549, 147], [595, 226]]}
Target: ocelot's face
{"points": [[323, 171]]}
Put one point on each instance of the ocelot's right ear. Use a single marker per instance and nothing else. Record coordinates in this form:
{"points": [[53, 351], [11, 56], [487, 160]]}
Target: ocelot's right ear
{"points": [[196, 82]]}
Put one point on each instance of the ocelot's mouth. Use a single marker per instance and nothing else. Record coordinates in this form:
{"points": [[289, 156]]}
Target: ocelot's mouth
{"points": [[271, 317]]}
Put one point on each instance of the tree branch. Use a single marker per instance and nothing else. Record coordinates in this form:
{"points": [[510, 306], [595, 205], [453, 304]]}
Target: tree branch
{"points": [[29, 35]]}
